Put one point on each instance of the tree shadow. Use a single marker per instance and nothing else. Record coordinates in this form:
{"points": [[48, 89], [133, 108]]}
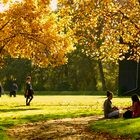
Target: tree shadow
{"points": [[17, 109]]}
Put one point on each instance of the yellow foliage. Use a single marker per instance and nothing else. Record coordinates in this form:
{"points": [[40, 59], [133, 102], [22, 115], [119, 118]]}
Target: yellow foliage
{"points": [[104, 29], [30, 30]]}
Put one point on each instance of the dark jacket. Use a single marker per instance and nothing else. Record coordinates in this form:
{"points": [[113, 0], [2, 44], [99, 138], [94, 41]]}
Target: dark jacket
{"points": [[107, 107]]}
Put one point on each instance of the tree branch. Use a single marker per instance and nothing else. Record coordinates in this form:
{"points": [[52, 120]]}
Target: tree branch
{"points": [[129, 19], [29, 36], [5, 24], [7, 40]]}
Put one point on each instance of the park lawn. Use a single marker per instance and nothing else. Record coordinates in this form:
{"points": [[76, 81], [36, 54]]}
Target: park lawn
{"points": [[118, 127], [13, 110]]}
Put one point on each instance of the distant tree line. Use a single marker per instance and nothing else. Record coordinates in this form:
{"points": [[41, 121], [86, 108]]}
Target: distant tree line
{"points": [[81, 73]]}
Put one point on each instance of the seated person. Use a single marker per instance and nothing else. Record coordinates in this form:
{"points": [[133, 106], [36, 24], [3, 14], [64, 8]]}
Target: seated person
{"points": [[134, 110], [109, 111]]}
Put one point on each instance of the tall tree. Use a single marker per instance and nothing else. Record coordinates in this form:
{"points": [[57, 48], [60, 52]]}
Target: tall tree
{"points": [[119, 20], [29, 29], [105, 29]]}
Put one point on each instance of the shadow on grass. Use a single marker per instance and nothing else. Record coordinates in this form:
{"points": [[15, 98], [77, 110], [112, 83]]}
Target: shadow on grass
{"points": [[42, 117], [33, 118], [17, 109], [10, 122]]}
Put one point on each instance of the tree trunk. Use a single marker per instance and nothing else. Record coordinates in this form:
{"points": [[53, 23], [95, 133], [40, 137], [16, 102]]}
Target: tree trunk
{"points": [[102, 75]]}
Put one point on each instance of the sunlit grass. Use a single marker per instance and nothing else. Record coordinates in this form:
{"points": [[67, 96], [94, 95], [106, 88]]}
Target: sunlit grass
{"points": [[57, 105], [13, 110], [119, 127]]}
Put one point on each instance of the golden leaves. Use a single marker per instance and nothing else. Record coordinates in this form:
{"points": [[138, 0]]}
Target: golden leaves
{"points": [[36, 34], [98, 25]]}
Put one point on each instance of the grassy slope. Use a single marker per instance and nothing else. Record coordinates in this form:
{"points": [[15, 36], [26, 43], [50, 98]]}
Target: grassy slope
{"points": [[13, 110], [123, 127]]}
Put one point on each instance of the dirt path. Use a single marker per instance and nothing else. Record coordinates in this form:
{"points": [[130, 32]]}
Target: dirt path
{"points": [[62, 129]]}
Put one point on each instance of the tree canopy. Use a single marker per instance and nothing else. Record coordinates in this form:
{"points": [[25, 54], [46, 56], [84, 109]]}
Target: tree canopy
{"points": [[29, 29], [104, 29]]}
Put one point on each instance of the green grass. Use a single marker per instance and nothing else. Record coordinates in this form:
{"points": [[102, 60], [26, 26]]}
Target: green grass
{"points": [[13, 110], [119, 127]]}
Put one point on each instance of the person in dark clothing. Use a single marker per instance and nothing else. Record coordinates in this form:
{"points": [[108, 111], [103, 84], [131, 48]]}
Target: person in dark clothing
{"points": [[14, 89], [28, 91], [109, 111]]}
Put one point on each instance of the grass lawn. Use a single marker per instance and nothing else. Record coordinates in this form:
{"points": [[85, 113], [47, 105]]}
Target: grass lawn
{"points": [[13, 111], [116, 127]]}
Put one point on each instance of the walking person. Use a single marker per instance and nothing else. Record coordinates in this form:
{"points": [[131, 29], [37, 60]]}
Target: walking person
{"points": [[28, 91]]}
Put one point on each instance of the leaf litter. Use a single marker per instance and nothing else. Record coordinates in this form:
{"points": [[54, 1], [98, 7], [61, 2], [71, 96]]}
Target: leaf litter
{"points": [[60, 129]]}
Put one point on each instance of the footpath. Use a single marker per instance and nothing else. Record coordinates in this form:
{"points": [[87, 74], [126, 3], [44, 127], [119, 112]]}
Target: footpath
{"points": [[60, 129]]}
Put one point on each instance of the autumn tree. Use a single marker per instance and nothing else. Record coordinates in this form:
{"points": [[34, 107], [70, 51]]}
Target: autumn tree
{"points": [[105, 29], [87, 26], [29, 29]]}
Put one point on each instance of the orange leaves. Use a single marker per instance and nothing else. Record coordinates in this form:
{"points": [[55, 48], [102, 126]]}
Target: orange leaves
{"points": [[44, 1], [34, 32], [98, 25], [5, 1]]}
